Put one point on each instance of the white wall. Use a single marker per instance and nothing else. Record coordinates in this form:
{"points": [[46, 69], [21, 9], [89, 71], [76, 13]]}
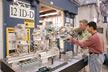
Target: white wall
{"points": [[103, 25], [86, 12], [1, 29]]}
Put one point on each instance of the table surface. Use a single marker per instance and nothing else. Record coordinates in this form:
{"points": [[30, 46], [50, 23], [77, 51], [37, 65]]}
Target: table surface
{"points": [[34, 68]]}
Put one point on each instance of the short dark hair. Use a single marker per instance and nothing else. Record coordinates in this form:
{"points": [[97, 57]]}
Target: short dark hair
{"points": [[92, 24]]}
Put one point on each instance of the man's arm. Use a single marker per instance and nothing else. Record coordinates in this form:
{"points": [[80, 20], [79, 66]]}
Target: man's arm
{"points": [[77, 30], [84, 43]]}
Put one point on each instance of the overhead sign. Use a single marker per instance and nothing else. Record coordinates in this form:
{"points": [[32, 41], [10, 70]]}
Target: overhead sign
{"points": [[21, 4], [15, 0], [29, 23], [21, 11]]}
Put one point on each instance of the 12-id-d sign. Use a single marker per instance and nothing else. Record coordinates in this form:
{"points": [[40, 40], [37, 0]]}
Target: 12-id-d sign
{"points": [[21, 12]]}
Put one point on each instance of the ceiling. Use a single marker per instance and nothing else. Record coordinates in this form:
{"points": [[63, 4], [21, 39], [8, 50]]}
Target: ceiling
{"points": [[103, 4]]}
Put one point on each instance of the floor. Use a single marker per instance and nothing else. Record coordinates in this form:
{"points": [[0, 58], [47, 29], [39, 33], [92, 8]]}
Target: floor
{"points": [[105, 69]]}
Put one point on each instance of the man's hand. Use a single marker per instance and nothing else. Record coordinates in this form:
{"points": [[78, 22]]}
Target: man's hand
{"points": [[62, 30], [70, 39], [72, 28]]}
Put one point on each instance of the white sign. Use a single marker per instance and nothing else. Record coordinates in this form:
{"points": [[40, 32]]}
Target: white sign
{"points": [[15, 0], [11, 37], [21, 12], [67, 19], [21, 4], [71, 21]]}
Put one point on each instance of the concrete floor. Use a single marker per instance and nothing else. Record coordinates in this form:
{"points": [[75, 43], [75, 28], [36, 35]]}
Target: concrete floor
{"points": [[105, 69]]}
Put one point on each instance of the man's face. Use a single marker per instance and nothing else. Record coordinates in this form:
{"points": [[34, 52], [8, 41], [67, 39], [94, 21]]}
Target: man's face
{"points": [[82, 26], [89, 29]]}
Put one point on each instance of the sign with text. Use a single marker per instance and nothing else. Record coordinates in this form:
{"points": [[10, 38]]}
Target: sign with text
{"points": [[21, 4], [21, 12], [29, 23]]}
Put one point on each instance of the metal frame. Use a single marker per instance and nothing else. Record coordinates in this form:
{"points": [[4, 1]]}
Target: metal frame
{"points": [[11, 29]]}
